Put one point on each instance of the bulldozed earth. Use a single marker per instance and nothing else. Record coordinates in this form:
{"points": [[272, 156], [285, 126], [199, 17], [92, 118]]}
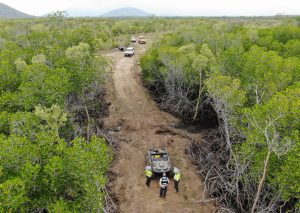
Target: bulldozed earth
{"points": [[138, 124]]}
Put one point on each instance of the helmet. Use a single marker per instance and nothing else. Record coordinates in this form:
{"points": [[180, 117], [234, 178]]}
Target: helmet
{"points": [[176, 170], [148, 168], [164, 174]]}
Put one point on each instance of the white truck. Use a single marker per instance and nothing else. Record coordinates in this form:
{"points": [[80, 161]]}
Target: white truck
{"points": [[142, 40], [129, 52], [133, 39]]}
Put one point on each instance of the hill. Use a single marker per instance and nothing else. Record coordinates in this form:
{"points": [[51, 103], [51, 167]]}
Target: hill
{"points": [[8, 12], [127, 12]]}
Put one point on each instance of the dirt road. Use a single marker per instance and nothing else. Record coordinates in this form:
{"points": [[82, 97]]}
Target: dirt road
{"points": [[138, 123]]}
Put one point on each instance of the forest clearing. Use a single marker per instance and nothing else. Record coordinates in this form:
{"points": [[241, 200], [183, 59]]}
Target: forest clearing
{"points": [[140, 122]]}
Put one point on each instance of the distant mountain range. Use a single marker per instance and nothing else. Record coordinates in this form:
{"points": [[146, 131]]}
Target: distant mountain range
{"points": [[127, 12], [8, 12]]}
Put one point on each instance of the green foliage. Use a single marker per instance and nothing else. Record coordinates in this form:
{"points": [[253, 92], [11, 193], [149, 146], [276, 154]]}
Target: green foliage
{"points": [[13, 195], [275, 126], [59, 206], [292, 48], [15, 152], [264, 74], [150, 67], [249, 73], [193, 66], [78, 53], [23, 124], [42, 168], [232, 61], [42, 85], [285, 33], [4, 122], [287, 177], [20, 64], [50, 170], [39, 59], [54, 117], [227, 90]]}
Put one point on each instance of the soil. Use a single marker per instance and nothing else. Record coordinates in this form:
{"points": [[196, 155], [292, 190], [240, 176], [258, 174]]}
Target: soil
{"points": [[138, 123]]}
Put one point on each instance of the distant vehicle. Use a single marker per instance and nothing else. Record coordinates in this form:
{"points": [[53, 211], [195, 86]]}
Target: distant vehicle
{"points": [[159, 161], [129, 52], [133, 39], [142, 40], [121, 48]]}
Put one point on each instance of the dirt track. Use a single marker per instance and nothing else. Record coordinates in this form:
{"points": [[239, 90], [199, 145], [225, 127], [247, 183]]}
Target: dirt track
{"points": [[137, 118]]}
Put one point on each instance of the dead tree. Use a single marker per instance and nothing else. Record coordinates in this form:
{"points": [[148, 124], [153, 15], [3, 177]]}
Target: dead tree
{"points": [[178, 96], [230, 186], [274, 145], [88, 110]]}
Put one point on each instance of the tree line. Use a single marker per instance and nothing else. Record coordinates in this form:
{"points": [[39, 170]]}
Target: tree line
{"points": [[52, 79]]}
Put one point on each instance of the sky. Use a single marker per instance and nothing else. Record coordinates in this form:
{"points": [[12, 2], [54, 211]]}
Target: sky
{"points": [[164, 7]]}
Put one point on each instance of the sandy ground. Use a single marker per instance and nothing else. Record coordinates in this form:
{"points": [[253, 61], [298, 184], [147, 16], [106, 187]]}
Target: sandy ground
{"points": [[138, 119]]}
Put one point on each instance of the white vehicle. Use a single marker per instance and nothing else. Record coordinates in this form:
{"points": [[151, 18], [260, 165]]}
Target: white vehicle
{"points": [[133, 39], [142, 40], [129, 52]]}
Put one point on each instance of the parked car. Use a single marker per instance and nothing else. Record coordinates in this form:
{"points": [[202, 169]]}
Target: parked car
{"points": [[129, 52], [142, 40], [121, 48], [133, 39]]}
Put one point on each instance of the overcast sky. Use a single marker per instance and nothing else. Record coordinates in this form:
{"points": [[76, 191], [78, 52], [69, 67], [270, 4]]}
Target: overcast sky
{"points": [[164, 7]]}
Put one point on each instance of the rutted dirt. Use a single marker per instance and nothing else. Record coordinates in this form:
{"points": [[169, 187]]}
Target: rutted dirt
{"points": [[142, 125]]}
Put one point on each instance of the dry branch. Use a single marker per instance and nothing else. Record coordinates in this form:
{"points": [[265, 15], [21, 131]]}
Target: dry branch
{"points": [[226, 184]]}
